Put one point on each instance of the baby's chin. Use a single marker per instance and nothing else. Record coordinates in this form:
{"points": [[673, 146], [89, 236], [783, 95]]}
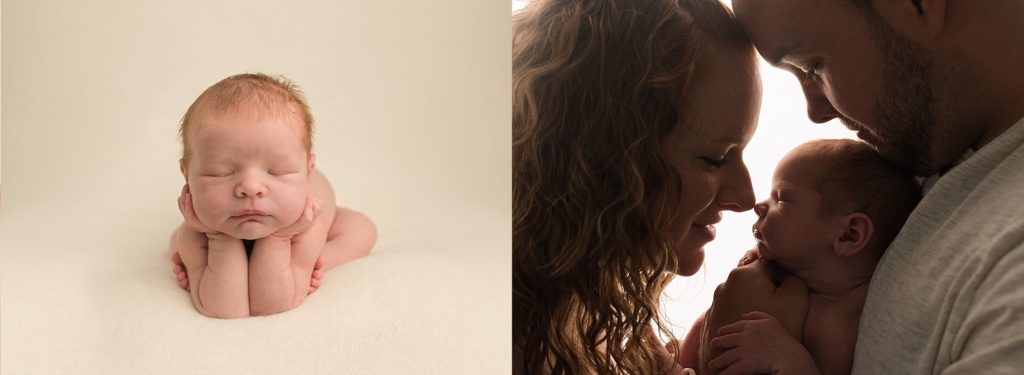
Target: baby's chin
{"points": [[251, 230]]}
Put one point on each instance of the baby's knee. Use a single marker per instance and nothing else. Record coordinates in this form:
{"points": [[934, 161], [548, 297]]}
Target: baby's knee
{"points": [[359, 228]]}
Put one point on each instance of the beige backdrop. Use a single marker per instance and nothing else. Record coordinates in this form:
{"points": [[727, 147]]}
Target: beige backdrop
{"points": [[412, 106]]}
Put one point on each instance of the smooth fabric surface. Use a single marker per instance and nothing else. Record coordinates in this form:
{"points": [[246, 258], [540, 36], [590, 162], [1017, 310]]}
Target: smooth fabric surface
{"points": [[413, 129], [947, 296]]}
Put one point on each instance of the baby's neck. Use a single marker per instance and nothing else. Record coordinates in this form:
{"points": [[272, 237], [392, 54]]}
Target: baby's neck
{"points": [[832, 284]]}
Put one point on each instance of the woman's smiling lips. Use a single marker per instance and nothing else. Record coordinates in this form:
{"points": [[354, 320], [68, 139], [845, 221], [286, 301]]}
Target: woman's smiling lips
{"points": [[706, 229]]}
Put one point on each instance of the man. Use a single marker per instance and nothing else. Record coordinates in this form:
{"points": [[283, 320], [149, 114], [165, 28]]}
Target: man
{"points": [[938, 88]]}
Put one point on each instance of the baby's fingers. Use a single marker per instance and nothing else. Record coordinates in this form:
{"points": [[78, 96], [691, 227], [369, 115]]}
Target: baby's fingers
{"points": [[318, 207], [757, 315]]}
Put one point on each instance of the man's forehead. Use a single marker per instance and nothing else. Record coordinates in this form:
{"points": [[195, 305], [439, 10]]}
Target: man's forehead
{"points": [[771, 24]]}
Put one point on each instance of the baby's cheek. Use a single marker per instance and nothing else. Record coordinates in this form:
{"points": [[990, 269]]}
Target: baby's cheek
{"points": [[207, 209]]}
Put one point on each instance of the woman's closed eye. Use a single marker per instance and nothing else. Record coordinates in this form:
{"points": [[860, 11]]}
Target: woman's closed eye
{"points": [[812, 70], [714, 162]]}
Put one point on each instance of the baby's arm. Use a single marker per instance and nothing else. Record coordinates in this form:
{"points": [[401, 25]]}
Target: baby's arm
{"points": [[216, 265], [282, 263], [217, 273], [755, 325]]}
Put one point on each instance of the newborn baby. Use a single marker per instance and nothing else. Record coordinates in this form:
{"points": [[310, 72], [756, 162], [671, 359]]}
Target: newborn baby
{"points": [[260, 224]]}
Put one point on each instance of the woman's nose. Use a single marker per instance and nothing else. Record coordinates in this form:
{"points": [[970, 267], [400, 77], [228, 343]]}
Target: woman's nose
{"points": [[737, 194], [819, 108]]}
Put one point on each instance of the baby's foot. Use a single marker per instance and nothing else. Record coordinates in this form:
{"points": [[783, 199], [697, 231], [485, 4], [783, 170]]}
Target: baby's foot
{"points": [[318, 274], [179, 270]]}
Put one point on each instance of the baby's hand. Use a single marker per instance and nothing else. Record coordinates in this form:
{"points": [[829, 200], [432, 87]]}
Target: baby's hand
{"points": [[759, 345], [305, 221], [189, 212]]}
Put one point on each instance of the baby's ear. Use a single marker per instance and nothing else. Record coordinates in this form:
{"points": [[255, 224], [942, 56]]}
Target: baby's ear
{"points": [[856, 233], [310, 163], [183, 168]]}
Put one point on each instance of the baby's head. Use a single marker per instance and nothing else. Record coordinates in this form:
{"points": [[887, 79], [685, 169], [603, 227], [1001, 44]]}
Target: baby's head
{"points": [[838, 195], [247, 143]]}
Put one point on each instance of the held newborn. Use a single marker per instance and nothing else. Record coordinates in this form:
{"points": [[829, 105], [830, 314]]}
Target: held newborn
{"points": [[260, 223]]}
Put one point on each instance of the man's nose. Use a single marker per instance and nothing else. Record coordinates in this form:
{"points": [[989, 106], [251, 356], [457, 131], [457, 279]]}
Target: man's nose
{"points": [[819, 108]]}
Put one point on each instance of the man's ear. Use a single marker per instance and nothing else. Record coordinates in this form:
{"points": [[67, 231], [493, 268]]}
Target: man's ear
{"points": [[310, 163], [920, 20], [856, 233]]}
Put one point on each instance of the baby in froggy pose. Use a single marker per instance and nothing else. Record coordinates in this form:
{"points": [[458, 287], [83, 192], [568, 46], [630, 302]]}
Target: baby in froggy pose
{"points": [[260, 224]]}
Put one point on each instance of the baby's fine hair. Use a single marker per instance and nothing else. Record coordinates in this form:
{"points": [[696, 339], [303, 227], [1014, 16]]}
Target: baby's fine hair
{"points": [[249, 90], [854, 177]]}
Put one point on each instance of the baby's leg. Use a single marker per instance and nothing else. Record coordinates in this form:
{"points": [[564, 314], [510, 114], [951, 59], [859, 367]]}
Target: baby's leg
{"points": [[352, 235]]}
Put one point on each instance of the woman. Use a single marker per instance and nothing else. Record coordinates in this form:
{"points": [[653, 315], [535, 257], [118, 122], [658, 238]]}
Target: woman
{"points": [[629, 122]]}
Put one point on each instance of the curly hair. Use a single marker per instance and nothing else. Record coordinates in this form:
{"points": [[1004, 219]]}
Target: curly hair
{"points": [[596, 87]]}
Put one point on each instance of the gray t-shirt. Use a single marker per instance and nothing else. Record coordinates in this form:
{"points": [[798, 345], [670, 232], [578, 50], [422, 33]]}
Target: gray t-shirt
{"points": [[948, 295]]}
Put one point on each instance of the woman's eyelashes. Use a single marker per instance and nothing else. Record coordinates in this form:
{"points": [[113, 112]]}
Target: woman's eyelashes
{"points": [[714, 162], [811, 70]]}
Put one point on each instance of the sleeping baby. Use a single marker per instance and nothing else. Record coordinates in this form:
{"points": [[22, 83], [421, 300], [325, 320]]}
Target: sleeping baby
{"points": [[260, 224]]}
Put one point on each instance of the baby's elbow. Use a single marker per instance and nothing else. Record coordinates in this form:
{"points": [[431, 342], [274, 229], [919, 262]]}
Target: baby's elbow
{"points": [[269, 310], [225, 314]]}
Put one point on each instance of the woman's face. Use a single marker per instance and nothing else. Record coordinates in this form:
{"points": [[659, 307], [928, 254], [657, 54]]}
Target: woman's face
{"points": [[706, 150]]}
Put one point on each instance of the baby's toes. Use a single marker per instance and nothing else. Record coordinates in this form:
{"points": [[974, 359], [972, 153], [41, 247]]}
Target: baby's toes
{"points": [[183, 282]]}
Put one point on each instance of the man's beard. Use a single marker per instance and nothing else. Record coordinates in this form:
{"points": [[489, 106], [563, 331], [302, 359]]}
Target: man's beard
{"points": [[904, 112]]}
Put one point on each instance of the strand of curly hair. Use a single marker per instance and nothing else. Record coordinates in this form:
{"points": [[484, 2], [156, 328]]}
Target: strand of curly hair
{"points": [[596, 87]]}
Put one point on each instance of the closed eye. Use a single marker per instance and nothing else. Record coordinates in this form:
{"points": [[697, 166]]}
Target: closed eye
{"points": [[812, 71], [713, 162]]}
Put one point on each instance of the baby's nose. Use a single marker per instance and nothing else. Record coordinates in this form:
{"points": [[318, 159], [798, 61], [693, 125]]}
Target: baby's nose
{"points": [[250, 189], [760, 208]]}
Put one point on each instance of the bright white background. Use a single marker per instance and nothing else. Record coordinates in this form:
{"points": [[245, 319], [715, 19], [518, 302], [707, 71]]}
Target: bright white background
{"points": [[783, 125]]}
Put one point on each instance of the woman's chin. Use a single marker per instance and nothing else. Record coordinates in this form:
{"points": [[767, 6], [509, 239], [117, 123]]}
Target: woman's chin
{"points": [[690, 262]]}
